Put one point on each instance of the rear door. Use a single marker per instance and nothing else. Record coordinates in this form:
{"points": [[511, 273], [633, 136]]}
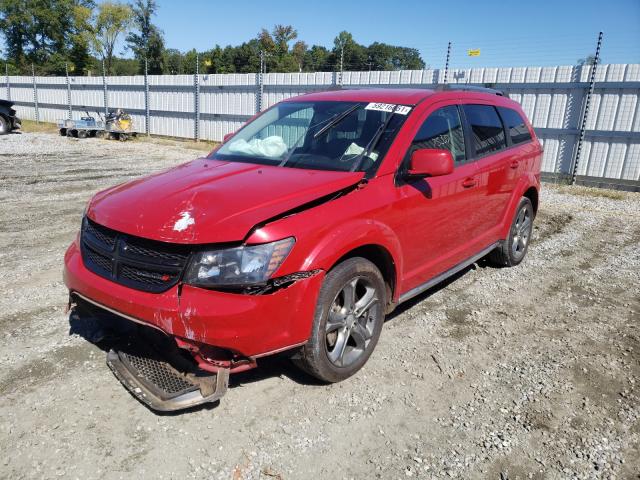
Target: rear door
{"points": [[435, 215]]}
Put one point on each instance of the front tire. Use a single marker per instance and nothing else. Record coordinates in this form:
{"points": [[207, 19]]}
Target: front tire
{"points": [[347, 323], [513, 250]]}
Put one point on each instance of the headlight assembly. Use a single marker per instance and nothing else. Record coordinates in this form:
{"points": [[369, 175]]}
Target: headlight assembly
{"points": [[239, 266]]}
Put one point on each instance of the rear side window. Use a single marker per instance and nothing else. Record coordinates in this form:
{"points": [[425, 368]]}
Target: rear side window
{"points": [[515, 125], [488, 133], [442, 130]]}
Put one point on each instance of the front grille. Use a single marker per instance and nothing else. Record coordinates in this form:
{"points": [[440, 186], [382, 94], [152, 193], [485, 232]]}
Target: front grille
{"points": [[136, 262]]}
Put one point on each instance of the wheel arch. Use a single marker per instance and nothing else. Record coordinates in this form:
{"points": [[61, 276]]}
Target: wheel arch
{"points": [[383, 260], [532, 194]]}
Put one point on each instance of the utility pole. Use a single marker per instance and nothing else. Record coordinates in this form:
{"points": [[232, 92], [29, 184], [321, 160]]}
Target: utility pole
{"points": [[446, 65], [585, 111]]}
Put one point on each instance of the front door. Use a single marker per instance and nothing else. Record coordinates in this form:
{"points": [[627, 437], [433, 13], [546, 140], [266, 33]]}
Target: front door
{"points": [[437, 215]]}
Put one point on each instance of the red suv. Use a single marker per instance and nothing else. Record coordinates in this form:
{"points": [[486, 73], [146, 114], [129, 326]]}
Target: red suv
{"points": [[302, 231]]}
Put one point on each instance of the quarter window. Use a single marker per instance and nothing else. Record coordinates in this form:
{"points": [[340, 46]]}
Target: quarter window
{"points": [[515, 125], [442, 130], [488, 133]]}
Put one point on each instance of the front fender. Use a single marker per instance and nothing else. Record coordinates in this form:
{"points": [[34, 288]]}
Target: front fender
{"points": [[349, 236], [321, 248]]}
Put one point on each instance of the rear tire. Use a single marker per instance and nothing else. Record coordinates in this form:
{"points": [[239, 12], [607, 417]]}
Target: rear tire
{"points": [[347, 322], [513, 250], [82, 134]]}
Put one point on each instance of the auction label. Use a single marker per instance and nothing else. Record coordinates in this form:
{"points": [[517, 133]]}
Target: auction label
{"points": [[388, 107]]}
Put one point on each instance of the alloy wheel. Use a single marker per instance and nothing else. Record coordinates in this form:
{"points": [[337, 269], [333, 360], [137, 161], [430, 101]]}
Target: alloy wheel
{"points": [[521, 232], [351, 322]]}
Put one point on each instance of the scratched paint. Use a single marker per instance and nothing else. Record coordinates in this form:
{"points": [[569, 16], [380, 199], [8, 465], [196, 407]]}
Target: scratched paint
{"points": [[184, 222]]}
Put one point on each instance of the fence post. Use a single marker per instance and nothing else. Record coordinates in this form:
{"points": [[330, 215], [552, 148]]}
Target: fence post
{"points": [[105, 92], [35, 93], [585, 111], [66, 69], [147, 113], [196, 100], [260, 78], [6, 71], [446, 65]]}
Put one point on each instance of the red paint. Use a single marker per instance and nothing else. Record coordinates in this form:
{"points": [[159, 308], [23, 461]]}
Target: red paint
{"points": [[431, 163], [426, 226]]}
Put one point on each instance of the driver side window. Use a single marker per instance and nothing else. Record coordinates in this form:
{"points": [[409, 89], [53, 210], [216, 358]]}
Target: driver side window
{"points": [[442, 130]]}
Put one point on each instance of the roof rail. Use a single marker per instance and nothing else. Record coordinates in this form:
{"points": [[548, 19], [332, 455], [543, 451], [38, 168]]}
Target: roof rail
{"points": [[468, 88]]}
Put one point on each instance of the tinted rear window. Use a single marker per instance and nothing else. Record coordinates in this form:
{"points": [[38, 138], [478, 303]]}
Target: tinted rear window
{"points": [[488, 134], [515, 125]]}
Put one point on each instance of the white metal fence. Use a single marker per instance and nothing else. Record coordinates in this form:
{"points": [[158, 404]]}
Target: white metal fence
{"points": [[209, 106]]}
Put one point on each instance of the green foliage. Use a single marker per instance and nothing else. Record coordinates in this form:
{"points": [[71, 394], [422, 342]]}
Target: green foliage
{"points": [[54, 34], [146, 42], [48, 34], [589, 60], [105, 27]]}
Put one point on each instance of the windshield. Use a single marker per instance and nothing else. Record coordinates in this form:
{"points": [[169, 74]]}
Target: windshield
{"points": [[343, 136]]}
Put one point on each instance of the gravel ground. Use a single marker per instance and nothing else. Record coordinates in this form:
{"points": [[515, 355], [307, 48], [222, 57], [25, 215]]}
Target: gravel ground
{"points": [[530, 372]]}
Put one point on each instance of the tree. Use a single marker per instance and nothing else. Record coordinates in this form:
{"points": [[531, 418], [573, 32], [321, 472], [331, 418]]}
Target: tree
{"points": [[389, 57], [47, 34], [589, 60], [298, 53], [353, 55], [173, 61], [110, 22], [276, 47], [147, 43]]}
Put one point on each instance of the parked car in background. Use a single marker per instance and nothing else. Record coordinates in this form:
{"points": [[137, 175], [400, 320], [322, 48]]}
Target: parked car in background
{"points": [[8, 119], [302, 231]]}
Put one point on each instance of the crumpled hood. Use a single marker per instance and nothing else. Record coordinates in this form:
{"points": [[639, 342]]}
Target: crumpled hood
{"points": [[209, 201]]}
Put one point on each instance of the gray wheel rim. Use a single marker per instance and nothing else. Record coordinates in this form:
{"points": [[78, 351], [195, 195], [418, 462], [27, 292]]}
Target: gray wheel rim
{"points": [[351, 322], [521, 232]]}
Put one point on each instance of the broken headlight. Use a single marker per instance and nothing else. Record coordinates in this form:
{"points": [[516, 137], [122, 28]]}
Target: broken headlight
{"points": [[239, 266]]}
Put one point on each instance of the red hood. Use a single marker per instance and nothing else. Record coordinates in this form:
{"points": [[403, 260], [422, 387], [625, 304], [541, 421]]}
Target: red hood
{"points": [[208, 201]]}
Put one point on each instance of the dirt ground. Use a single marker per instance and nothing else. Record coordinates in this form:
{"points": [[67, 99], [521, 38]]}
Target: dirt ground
{"points": [[529, 372]]}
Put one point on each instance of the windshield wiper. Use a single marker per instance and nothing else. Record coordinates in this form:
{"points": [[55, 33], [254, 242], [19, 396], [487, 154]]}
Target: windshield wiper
{"points": [[336, 120], [372, 143]]}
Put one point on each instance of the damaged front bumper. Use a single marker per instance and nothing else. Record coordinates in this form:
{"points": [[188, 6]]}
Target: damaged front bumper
{"points": [[250, 325], [155, 382], [204, 323]]}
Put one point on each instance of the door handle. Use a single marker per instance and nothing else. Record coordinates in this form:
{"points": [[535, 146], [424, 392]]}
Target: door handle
{"points": [[469, 182], [514, 164]]}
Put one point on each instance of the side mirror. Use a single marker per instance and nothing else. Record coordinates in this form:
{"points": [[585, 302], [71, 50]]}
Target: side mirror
{"points": [[430, 162], [227, 137]]}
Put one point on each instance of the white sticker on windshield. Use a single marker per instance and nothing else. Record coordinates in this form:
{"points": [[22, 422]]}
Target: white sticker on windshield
{"points": [[388, 107], [403, 109]]}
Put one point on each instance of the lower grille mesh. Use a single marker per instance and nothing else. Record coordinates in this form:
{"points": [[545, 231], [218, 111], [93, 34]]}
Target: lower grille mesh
{"points": [[159, 374]]}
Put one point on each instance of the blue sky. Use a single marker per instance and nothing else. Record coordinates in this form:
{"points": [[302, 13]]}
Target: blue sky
{"points": [[541, 32]]}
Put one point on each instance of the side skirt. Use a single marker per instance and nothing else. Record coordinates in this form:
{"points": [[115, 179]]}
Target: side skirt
{"points": [[444, 275]]}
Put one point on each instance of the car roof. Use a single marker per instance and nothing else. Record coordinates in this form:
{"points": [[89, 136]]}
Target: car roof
{"points": [[403, 96]]}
